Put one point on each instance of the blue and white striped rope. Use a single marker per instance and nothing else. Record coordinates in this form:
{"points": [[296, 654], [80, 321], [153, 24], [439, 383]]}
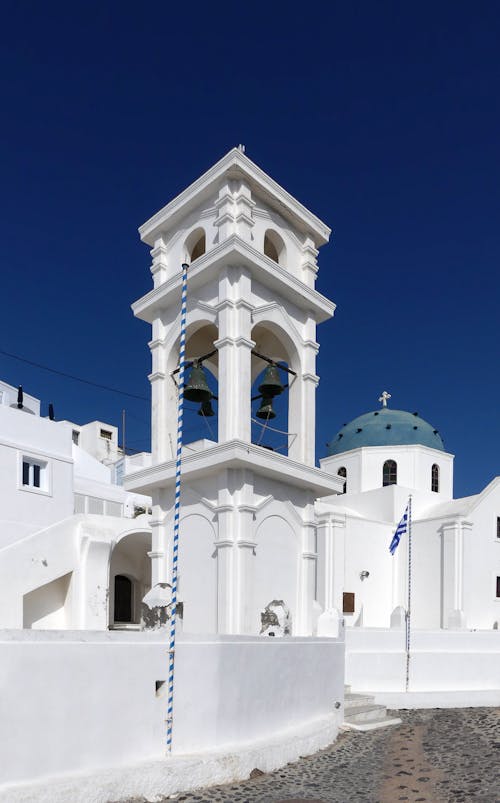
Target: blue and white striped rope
{"points": [[408, 611], [177, 504]]}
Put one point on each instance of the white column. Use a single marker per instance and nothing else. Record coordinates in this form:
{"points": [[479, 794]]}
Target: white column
{"points": [[225, 206], [92, 591], [307, 572], [234, 346], [309, 265], [331, 530], [302, 403], [225, 573], [244, 211], [452, 597], [224, 545], [161, 537], [163, 396], [159, 266], [245, 558]]}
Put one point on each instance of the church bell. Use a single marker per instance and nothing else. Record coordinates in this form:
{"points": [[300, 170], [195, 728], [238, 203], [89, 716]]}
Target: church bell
{"points": [[271, 384], [265, 410], [206, 409], [196, 388]]}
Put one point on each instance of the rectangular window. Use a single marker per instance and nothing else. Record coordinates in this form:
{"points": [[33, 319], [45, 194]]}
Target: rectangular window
{"points": [[34, 474], [105, 433], [76, 436], [498, 526], [498, 586]]}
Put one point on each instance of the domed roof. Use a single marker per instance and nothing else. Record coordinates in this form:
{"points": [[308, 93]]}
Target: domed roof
{"points": [[385, 427]]}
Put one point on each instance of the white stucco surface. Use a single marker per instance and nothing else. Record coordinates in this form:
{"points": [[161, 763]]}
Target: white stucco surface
{"points": [[74, 702], [445, 666]]}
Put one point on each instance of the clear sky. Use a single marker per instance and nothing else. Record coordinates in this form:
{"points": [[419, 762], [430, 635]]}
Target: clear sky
{"points": [[382, 118]]}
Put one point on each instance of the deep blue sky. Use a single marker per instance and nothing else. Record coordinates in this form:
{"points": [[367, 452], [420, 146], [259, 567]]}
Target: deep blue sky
{"points": [[382, 118]]}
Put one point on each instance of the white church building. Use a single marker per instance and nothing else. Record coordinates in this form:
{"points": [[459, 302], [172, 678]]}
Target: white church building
{"points": [[285, 575], [385, 456]]}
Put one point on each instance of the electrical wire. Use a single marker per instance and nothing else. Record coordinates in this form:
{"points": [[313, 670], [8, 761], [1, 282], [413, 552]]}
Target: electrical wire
{"points": [[72, 376]]}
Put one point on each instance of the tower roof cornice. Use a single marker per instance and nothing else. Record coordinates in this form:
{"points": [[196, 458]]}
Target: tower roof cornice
{"points": [[235, 165], [168, 293]]}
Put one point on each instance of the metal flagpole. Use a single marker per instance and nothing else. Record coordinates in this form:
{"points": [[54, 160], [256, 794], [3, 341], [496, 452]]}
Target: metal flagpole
{"points": [[175, 549], [408, 610]]}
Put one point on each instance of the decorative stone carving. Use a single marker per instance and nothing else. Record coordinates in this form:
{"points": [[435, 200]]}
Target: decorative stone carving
{"points": [[276, 619], [156, 607]]}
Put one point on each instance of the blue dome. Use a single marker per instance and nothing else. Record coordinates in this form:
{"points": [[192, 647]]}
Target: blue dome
{"points": [[385, 427]]}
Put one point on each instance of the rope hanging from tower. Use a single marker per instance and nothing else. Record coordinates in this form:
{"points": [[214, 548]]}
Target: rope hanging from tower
{"points": [[177, 505]]}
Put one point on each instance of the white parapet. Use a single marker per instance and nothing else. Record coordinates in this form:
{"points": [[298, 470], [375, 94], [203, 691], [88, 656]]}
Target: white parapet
{"points": [[84, 717]]}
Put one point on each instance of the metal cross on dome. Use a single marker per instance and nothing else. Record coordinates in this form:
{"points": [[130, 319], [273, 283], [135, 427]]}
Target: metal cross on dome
{"points": [[383, 398]]}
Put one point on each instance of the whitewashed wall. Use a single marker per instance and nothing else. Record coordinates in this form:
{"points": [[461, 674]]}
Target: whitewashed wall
{"points": [[365, 468], [441, 661], [26, 509], [482, 561], [84, 701]]}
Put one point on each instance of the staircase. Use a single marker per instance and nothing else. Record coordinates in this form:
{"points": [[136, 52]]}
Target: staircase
{"points": [[362, 714]]}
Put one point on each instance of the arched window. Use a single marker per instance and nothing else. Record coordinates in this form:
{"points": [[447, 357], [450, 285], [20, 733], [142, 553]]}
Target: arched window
{"points": [[274, 247], [342, 472], [196, 245], [390, 473], [123, 599], [199, 248], [435, 478]]}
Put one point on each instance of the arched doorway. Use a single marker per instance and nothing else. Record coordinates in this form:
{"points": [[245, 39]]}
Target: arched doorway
{"points": [[129, 580], [123, 607]]}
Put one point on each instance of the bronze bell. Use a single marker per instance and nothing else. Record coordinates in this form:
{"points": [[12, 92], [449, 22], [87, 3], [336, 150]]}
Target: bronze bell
{"points": [[271, 384], [266, 410], [206, 409], [196, 388]]}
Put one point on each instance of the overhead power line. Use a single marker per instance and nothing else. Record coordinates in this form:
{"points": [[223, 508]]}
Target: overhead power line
{"points": [[75, 378]]}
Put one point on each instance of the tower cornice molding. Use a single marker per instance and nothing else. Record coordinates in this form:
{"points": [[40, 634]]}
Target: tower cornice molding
{"points": [[156, 375], [235, 165], [236, 454], [234, 341], [261, 267]]}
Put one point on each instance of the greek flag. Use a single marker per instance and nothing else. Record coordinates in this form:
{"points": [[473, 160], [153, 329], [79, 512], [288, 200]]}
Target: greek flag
{"points": [[400, 530]]}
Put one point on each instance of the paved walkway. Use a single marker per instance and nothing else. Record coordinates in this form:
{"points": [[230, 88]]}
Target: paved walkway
{"points": [[436, 756]]}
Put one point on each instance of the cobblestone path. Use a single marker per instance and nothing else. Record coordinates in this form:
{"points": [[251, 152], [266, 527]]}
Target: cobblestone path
{"points": [[434, 756]]}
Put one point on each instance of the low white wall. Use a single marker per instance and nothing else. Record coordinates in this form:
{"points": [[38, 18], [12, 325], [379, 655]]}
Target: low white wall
{"points": [[249, 688], [443, 662], [85, 701]]}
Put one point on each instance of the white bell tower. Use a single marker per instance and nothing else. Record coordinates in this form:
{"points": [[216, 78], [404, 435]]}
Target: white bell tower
{"points": [[248, 529]]}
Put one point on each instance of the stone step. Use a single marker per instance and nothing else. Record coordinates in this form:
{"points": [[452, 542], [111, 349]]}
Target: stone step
{"points": [[361, 713], [364, 713], [355, 700], [384, 722]]}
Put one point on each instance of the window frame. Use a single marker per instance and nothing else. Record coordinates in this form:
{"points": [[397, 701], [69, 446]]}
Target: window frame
{"points": [[39, 469], [393, 468], [344, 477], [435, 478]]}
